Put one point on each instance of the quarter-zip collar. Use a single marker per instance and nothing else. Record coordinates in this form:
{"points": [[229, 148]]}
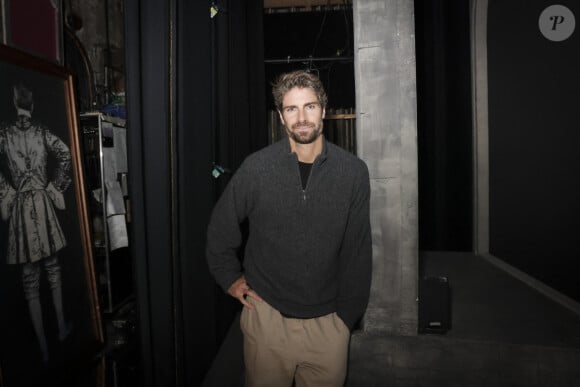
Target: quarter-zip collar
{"points": [[321, 158], [292, 157]]}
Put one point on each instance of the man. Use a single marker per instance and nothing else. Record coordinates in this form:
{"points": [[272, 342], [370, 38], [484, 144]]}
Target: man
{"points": [[28, 198], [305, 278]]}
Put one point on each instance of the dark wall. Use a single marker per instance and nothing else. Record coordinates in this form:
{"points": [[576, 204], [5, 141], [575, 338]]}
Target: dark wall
{"points": [[534, 142], [444, 124]]}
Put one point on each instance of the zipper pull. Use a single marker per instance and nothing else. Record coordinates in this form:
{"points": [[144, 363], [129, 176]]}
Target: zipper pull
{"points": [[303, 195]]}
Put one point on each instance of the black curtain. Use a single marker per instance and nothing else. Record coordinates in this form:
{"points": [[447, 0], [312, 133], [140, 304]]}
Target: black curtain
{"points": [[194, 98], [444, 125], [239, 79], [239, 103]]}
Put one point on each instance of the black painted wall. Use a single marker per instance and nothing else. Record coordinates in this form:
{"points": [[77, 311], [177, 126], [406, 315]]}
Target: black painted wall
{"points": [[534, 142], [534, 168]]}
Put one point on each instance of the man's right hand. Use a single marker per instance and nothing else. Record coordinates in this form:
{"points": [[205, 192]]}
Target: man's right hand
{"points": [[240, 290]]}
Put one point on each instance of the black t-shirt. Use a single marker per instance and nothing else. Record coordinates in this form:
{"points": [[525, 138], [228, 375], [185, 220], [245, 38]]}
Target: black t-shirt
{"points": [[304, 172]]}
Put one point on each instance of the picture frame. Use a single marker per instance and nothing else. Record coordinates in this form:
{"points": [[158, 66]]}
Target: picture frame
{"points": [[34, 26], [50, 329]]}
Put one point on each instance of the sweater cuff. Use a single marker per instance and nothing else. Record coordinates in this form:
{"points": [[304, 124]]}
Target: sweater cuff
{"points": [[227, 281]]}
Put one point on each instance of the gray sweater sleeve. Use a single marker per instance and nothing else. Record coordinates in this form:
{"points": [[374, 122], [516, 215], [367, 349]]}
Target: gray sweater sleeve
{"points": [[224, 235], [356, 255]]}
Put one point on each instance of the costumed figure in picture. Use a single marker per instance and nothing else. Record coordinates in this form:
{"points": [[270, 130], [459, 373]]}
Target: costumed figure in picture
{"points": [[29, 197]]}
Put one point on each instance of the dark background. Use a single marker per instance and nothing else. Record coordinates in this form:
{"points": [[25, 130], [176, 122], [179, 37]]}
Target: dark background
{"points": [[326, 37], [534, 142], [212, 109], [444, 127]]}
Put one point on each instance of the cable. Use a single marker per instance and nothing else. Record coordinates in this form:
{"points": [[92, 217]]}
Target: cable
{"points": [[318, 37]]}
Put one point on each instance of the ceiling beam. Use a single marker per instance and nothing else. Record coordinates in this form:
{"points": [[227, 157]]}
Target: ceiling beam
{"points": [[302, 3]]}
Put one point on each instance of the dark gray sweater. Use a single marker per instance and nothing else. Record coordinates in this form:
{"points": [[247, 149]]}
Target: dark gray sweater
{"points": [[309, 250]]}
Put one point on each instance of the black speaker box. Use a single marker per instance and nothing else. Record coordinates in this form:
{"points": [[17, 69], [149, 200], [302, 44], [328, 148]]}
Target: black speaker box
{"points": [[434, 305]]}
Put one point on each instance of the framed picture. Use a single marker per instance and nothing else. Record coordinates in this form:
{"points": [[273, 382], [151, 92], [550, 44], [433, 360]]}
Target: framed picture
{"points": [[34, 26], [50, 328]]}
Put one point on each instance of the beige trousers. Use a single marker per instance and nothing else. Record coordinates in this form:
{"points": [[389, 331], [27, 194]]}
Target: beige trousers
{"points": [[279, 351]]}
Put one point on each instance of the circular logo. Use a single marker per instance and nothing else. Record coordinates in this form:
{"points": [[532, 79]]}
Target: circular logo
{"points": [[557, 23]]}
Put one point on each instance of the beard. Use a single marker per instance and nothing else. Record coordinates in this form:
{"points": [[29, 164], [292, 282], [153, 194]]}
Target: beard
{"points": [[308, 137]]}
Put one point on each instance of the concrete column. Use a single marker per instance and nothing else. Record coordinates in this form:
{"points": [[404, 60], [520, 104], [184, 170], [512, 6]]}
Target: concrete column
{"points": [[480, 126], [385, 79]]}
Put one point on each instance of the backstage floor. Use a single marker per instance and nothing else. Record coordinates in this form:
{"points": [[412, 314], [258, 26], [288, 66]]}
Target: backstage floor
{"points": [[503, 333]]}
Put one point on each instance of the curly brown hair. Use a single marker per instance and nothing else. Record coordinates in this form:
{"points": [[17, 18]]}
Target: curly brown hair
{"points": [[301, 79]]}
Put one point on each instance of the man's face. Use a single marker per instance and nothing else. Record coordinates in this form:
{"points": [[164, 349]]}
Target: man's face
{"points": [[302, 115]]}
